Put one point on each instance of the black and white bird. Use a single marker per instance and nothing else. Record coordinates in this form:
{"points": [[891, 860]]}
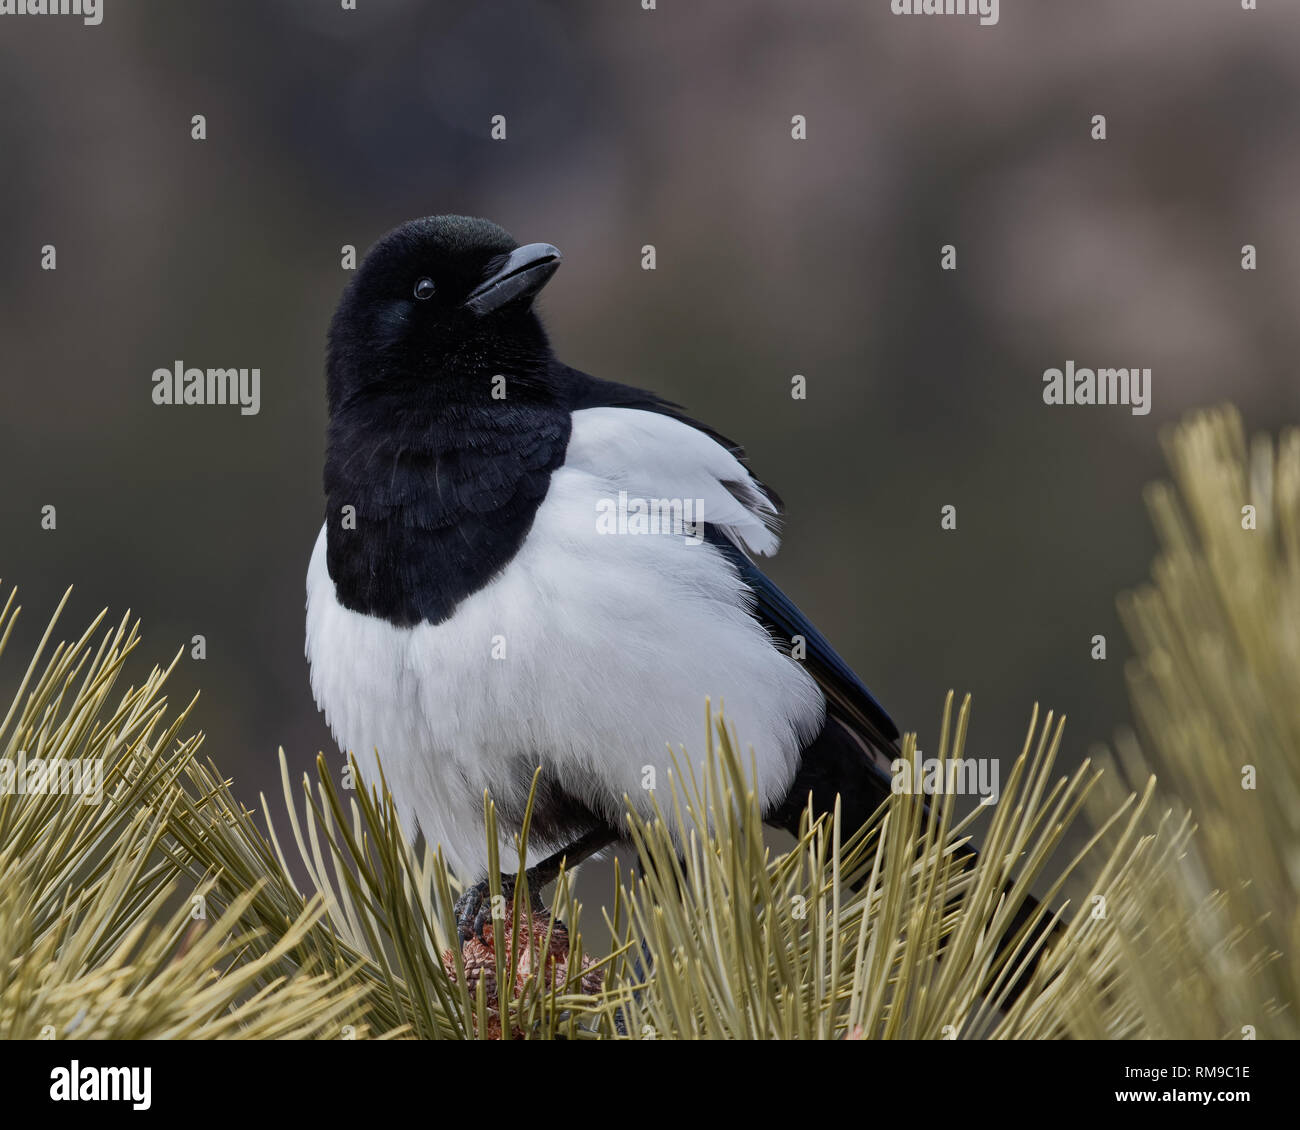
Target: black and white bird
{"points": [[470, 617]]}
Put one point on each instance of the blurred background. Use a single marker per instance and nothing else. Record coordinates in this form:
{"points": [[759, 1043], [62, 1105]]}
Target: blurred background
{"points": [[775, 257]]}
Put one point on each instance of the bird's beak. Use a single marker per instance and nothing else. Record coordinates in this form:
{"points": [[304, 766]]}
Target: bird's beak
{"points": [[522, 275]]}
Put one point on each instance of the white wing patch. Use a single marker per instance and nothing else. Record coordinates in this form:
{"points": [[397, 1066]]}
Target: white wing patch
{"points": [[653, 456]]}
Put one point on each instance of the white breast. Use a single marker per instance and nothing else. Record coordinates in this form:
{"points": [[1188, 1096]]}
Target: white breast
{"points": [[591, 652]]}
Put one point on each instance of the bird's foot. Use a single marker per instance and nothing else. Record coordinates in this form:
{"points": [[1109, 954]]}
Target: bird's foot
{"points": [[474, 909]]}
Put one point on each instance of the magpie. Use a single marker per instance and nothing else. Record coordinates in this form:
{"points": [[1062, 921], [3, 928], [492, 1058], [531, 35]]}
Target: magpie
{"points": [[470, 619]]}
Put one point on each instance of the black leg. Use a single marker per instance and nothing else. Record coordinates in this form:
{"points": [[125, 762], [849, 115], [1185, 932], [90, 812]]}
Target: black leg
{"points": [[548, 870], [473, 909]]}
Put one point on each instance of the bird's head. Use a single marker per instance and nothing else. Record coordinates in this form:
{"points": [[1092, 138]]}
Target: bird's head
{"points": [[439, 299]]}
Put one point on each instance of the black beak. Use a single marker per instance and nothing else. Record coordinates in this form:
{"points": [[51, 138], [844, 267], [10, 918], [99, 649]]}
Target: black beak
{"points": [[522, 275]]}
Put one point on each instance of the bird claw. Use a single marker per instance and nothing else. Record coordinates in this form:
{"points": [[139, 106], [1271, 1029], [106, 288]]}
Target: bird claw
{"points": [[473, 909]]}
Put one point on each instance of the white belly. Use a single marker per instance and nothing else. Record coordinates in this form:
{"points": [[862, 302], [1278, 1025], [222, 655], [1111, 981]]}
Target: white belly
{"points": [[591, 653]]}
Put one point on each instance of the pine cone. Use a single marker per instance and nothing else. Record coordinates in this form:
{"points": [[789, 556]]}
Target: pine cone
{"points": [[479, 956]]}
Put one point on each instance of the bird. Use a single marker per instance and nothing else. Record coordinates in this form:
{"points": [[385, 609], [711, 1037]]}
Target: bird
{"points": [[476, 616]]}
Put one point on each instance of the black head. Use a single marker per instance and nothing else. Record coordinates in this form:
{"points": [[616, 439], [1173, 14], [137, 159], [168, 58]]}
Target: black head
{"points": [[438, 301]]}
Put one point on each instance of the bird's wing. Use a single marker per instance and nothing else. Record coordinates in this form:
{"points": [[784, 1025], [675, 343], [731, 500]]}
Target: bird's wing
{"points": [[847, 697], [686, 453], [852, 756], [653, 455], [586, 391]]}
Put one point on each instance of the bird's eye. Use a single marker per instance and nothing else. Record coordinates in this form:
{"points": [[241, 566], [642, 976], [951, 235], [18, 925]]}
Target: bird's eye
{"points": [[424, 288]]}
